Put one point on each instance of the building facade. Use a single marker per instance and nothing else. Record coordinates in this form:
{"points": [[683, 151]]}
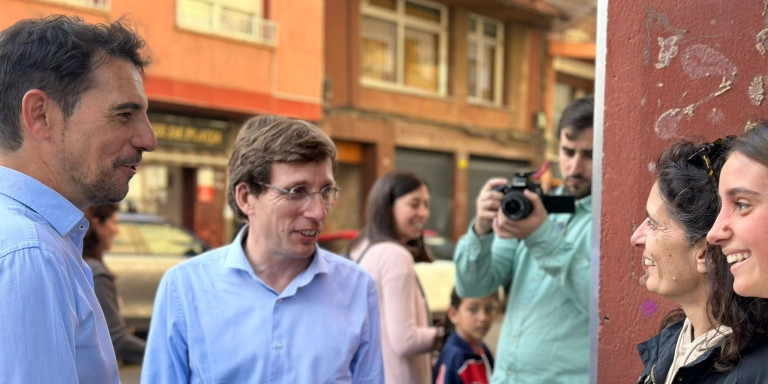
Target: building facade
{"points": [[457, 90], [215, 63]]}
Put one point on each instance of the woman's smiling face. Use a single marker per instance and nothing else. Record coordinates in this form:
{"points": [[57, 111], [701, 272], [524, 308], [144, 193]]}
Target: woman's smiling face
{"points": [[670, 262], [411, 212], [741, 228]]}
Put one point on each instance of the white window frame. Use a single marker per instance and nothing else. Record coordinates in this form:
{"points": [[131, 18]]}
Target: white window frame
{"points": [[264, 31], [85, 4], [481, 41], [401, 21]]}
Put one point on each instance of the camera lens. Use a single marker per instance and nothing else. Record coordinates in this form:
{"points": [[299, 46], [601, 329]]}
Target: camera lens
{"points": [[516, 206]]}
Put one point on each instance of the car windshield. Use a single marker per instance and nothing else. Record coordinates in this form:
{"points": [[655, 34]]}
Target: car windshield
{"points": [[154, 238]]}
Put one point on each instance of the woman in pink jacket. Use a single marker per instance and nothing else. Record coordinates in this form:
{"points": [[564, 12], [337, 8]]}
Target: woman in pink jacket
{"points": [[388, 246]]}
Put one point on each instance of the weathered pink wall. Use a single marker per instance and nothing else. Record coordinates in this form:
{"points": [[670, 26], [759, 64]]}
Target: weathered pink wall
{"points": [[674, 69]]}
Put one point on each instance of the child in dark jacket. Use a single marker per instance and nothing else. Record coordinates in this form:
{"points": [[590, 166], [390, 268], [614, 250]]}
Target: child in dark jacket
{"points": [[465, 359]]}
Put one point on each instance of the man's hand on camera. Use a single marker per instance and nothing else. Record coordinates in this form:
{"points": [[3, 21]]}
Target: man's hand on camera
{"points": [[520, 229], [488, 203]]}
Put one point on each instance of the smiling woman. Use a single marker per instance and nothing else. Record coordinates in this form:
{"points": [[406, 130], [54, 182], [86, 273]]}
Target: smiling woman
{"points": [[742, 224], [740, 229], [391, 241], [680, 265], [679, 211]]}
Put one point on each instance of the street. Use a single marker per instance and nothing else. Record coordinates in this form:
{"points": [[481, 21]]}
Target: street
{"points": [[130, 374]]}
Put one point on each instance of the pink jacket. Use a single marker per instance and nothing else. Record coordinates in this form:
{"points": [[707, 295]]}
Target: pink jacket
{"points": [[406, 335]]}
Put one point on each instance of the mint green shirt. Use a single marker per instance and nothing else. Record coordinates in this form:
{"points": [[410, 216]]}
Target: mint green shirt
{"points": [[545, 334]]}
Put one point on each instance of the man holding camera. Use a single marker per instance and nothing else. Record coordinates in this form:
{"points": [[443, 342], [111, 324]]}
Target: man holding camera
{"points": [[546, 257]]}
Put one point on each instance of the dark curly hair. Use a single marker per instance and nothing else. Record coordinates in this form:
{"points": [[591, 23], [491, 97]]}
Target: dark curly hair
{"points": [[689, 193]]}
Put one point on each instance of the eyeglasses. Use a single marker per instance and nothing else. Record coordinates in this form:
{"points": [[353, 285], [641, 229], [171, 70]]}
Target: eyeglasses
{"points": [[301, 195], [710, 153]]}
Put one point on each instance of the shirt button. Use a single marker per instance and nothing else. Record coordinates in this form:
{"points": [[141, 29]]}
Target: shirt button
{"points": [[510, 373], [279, 300], [279, 346]]}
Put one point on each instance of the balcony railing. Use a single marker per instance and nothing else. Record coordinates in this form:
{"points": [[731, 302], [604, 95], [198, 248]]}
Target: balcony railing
{"points": [[209, 16], [101, 5]]}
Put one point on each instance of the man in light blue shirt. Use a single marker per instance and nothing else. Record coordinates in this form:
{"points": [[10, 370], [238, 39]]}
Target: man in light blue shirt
{"points": [[73, 126], [545, 334], [271, 307]]}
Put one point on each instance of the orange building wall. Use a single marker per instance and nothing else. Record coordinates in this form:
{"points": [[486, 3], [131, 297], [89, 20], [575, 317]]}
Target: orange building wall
{"points": [[210, 76], [698, 87], [204, 71]]}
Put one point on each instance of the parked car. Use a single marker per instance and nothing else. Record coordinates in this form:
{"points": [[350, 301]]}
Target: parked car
{"points": [[145, 247], [437, 278]]}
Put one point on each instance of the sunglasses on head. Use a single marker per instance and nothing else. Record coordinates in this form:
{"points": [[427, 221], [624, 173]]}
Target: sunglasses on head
{"points": [[704, 157]]}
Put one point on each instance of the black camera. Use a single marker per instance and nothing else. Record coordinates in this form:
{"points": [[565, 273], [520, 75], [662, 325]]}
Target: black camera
{"points": [[516, 206]]}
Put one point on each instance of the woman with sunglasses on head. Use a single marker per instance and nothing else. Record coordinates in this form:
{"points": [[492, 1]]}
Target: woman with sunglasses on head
{"points": [[389, 244], [681, 208]]}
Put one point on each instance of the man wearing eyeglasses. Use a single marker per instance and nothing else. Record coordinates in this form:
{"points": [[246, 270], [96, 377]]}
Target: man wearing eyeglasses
{"points": [[545, 334], [271, 307]]}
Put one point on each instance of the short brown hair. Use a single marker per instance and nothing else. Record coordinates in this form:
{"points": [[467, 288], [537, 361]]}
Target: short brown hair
{"points": [[285, 141]]}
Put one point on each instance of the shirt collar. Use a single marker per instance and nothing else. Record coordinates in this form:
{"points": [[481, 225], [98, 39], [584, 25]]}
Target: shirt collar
{"points": [[53, 207], [236, 259]]}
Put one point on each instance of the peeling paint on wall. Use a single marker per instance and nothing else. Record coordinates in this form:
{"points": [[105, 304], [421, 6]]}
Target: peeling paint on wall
{"points": [[700, 61], [666, 124], [653, 18], [756, 90], [725, 86], [762, 37], [716, 116], [667, 50], [761, 41]]}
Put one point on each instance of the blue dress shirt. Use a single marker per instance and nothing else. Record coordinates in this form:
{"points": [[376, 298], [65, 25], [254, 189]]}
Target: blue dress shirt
{"points": [[215, 321], [52, 329]]}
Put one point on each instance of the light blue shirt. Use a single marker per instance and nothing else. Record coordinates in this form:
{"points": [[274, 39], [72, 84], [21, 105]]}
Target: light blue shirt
{"points": [[545, 334], [52, 329], [215, 321]]}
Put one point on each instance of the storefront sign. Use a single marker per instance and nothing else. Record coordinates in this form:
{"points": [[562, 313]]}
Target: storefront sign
{"points": [[206, 137]]}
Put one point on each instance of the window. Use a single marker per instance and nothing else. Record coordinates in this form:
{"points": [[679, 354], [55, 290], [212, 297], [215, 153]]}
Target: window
{"points": [[101, 5], [485, 53], [404, 45], [239, 19]]}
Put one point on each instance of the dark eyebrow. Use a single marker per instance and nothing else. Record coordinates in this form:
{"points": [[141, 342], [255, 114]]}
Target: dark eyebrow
{"points": [[740, 191], [128, 105]]}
